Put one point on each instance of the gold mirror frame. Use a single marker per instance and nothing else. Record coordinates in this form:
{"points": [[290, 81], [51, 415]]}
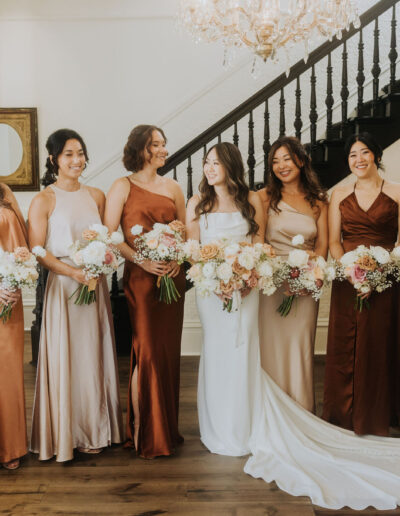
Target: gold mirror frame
{"points": [[24, 122]]}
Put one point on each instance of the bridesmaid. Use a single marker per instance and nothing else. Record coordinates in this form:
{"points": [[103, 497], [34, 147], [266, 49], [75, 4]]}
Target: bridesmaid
{"points": [[295, 204], [12, 404], [360, 365], [76, 401], [145, 198]]}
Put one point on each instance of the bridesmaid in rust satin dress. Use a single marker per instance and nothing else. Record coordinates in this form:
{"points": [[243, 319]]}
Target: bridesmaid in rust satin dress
{"points": [[145, 198], [13, 444], [360, 376]]}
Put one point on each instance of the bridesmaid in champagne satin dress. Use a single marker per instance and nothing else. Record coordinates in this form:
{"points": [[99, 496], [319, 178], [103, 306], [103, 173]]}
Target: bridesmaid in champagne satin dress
{"points": [[76, 402], [363, 347], [13, 444], [146, 198], [294, 204]]}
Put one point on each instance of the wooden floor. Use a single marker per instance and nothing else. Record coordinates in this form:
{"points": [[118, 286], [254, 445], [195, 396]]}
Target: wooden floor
{"points": [[193, 482]]}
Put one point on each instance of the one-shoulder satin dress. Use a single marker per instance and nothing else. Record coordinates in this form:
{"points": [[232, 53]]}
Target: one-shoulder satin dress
{"points": [[157, 331], [13, 443], [362, 353]]}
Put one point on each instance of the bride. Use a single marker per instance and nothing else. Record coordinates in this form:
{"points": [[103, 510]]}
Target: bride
{"points": [[241, 410]]}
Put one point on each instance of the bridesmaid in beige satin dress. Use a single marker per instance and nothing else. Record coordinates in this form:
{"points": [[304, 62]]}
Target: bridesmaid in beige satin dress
{"points": [[294, 204], [13, 443], [76, 401]]}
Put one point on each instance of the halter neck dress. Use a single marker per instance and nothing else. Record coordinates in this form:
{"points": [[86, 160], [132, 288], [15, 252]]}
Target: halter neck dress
{"points": [[156, 334], [76, 400], [362, 353]]}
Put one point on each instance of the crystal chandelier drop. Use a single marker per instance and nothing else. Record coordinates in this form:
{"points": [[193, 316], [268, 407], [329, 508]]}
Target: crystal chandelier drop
{"points": [[265, 26]]}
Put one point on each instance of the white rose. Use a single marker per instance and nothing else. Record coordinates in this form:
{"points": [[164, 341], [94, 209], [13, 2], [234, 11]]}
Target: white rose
{"points": [[162, 251], [297, 240], [380, 254], [101, 230], [349, 258], [191, 249], [246, 260], [116, 238], [209, 270], [38, 250], [298, 258], [94, 253], [396, 253], [364, 288], [224, 272], [194, 272], [207, 286], [265, 269], [136, 229], [232, 249], [330, 273]]}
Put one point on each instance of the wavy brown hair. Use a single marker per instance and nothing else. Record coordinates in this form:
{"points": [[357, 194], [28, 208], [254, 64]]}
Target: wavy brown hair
{"points": [[3, 202], [308, 178], [231, 159], [138, 140]]}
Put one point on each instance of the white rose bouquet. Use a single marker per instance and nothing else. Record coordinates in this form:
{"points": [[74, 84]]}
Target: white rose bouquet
{"points": [[303, 271], [368, 268], [96, 255], [17, 269], [267, 267], [162, 244], [225, 268]]}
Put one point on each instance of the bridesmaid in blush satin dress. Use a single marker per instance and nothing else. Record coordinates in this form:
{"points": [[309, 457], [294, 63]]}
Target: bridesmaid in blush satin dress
{"points": [[294, 204], [146, 198], [76, 402], [13, 444], [363, 347]]}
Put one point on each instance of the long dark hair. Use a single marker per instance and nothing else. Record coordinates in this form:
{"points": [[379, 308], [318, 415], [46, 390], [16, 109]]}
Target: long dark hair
{"points": [[139, 140], [231, 159], [308, 178], [3, 202], [55, 145], [368, 140]]}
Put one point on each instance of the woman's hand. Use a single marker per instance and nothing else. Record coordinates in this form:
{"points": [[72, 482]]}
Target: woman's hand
{"points": [[245, 292], [79, 276], [156, 268], [364, 295], [7, 297], [174, 269], [288, 292]]}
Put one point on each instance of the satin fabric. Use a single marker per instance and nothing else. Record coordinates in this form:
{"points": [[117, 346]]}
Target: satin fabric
{"points": [[287, 343], [13, 443], [228, 393], [157, 331], [76, 400], [362, 353]]}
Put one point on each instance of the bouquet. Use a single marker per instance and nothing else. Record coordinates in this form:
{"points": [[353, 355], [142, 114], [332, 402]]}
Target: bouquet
{"points": [[95, 254], [395, 261], [17, 269], [163, 243], [267, 267], [224, 268], [303, 271], [369, 269]]}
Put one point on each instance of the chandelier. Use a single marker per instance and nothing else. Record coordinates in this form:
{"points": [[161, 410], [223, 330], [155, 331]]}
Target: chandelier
{"points": [[264, 26]]}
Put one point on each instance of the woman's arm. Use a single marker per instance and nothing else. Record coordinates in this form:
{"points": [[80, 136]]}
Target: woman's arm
{"points": [[39, 211], [259, 217], [192, 224], [10, 197], [321, 242], [334, 224]]}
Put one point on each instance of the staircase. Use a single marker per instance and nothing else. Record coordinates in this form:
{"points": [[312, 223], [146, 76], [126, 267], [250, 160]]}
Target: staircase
{"points": [[379, 115]]}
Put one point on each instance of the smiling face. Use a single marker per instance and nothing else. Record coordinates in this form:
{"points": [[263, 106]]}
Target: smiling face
{"points": [[362, 160], [156, 153], [71, 162], [213, 169], [284, 168]]}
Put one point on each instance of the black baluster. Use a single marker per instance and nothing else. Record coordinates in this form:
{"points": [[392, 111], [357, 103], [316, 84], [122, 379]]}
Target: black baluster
{"points": [[114, 284], [313, 108], [376, 70], [236, 135], [189, 178], [204, 151], [329, 98], [251, 159], [282, 125], [298, 124], [175, 173], [360, 75], [219, 138], [344, 92], [267, 144], [393, 54]]}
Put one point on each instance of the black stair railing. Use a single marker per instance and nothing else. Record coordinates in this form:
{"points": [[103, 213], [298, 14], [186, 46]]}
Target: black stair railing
{"points": [[279, 85]]}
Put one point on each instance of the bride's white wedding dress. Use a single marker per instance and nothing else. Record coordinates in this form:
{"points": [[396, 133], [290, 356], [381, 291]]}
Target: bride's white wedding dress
{"points": [[242, 410]]}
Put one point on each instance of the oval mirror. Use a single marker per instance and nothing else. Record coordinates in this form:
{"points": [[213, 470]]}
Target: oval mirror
{"points": [[11, 150]]}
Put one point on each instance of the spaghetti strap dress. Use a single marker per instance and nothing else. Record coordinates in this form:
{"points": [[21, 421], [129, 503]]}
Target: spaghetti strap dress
{"points": [[13, 443], [156, 334], [362, 351]]}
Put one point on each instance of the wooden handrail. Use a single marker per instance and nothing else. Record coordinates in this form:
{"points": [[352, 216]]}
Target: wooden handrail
{"points": [[270, 89]]}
